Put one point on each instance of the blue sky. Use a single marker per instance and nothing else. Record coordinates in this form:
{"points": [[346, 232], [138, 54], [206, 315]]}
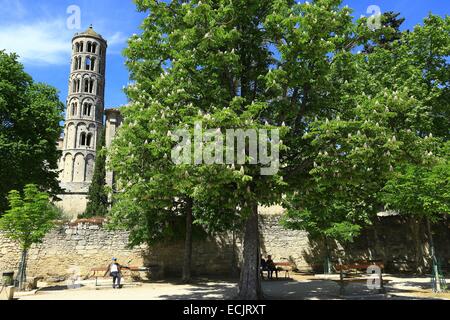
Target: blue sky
{"points": [[38, 31]]}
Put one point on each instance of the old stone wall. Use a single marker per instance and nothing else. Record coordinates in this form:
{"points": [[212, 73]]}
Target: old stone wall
{"points": [[84, 245], [282, 244], [401, 244], [87, 244]]}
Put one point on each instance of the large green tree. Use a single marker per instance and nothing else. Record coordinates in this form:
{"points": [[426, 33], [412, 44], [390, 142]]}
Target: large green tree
{"points": [[198, 62], [317, 69], [423, 190], [419, 62], [30, 217], [388, 114], [347, 119], [30, 115]]}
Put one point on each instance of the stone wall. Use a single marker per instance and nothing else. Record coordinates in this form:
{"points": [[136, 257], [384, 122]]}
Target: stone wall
{"points": [[283, 244], [402, 243], [86, 244]]}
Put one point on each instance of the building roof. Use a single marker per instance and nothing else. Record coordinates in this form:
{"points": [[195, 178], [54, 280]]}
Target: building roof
{"points": [[112, 110]]}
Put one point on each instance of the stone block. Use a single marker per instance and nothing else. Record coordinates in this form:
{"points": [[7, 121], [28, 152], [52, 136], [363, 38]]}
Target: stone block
{"points": [[7, 293]]}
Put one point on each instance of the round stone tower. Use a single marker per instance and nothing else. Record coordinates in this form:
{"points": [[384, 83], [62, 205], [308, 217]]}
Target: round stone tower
{"points": [[84, 116]]}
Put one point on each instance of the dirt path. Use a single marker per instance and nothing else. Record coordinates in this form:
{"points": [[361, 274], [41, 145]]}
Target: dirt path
{"points": [[299, 288]]}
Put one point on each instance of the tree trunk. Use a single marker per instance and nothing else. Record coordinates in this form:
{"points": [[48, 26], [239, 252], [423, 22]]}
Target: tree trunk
{"points": [[415, 226], [22, 274], [250, 282], [378, 247], [188, 244], [327, 262], [434, 264], [234, 260]]}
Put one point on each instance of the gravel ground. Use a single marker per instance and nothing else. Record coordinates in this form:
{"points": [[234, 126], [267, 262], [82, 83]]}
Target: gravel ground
{"points": [[301, 287]]}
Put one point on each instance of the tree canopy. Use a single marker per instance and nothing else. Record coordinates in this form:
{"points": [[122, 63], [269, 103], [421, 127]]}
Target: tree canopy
{"points": [[30, 116], [388, 120], [30, 216], [348, 119]]}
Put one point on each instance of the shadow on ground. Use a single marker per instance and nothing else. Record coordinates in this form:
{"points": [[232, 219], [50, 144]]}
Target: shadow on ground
{"points": [[330, 290], [300, 288], [200, 290], [59, 288]]}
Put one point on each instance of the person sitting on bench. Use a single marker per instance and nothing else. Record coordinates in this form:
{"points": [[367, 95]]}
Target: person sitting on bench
{"points": [[263, 267], [114, 270], [271, 267]]}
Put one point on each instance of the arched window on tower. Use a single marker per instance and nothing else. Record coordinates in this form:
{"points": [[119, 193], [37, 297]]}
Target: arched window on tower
{"points": [[94, 48], [87, 109], [89, 140], [88, 63], [93, 64], [81, 46], [86, 85], [91, 86], [77, 47], [78, 85], [89, 47], [83, 139], [74, 108]]}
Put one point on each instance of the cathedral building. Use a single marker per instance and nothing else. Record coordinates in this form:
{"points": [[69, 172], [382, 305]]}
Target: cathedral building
{"points": [[85, 119]]}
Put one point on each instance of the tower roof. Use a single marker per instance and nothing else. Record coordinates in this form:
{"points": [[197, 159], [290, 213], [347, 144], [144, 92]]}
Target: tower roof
{"points": [[90, 32]]}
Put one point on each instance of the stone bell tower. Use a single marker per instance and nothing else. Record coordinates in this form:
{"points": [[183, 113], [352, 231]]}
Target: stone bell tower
{"points": [[84, 118]]}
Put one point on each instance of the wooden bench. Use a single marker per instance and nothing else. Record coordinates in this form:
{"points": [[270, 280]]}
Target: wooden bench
{"points": [[345, 269], [285, 267], [100, 272]]}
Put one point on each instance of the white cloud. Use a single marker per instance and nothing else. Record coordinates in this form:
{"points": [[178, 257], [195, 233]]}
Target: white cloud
{"points": [[117, 38], [38, 43], [47, 42], [116, 43], [42, 42]]}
